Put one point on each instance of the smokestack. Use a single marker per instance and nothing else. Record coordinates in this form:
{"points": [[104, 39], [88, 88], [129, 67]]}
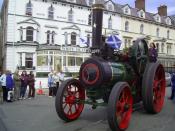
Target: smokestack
{"points": [[162, 10], [97, 22], [140, 4]]}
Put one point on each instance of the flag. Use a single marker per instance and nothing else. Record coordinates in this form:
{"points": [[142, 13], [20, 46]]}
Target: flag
{"points": [[83, 41], [114, 42]]}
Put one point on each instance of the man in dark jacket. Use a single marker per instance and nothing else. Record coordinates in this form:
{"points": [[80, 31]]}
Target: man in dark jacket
{"points": [[173, 86], [24, 83], [9, 84]]}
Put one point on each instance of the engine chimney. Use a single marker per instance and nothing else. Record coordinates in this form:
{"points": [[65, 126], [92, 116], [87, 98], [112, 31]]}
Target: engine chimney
{"points": [[140, 4], [97, 22], [162, 10]]}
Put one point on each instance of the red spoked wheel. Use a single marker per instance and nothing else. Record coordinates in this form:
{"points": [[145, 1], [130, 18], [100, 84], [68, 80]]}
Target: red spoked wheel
{"points": [[120, 107], [153, 85], [69, 100]]}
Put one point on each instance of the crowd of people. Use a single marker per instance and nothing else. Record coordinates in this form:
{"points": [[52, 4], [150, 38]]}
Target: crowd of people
{"points": [[17, 85]]}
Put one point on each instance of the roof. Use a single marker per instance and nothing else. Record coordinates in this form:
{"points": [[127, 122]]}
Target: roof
{"points": [[118, 8]]}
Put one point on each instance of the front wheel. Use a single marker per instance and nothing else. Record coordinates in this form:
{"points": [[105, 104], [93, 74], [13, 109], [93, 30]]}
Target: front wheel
{"points": [[120, 107], [69, 100]]}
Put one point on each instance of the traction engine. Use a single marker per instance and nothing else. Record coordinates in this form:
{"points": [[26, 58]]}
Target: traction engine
{"points": [[113, 78]]}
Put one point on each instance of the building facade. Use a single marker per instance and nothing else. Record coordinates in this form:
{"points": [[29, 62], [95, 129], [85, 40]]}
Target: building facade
{"points": [[42, 35]]}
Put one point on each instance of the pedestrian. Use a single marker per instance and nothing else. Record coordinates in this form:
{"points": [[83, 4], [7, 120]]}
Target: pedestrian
{"points": [[61, 76], [172, 86], [55, 83], [31, 82], [3, 84], [9, 86], [152, 53], [50, 84], [24, 83], [17, 85]]}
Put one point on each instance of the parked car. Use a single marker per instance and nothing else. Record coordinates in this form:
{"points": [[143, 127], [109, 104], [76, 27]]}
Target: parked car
{"points": [[168, 79]]}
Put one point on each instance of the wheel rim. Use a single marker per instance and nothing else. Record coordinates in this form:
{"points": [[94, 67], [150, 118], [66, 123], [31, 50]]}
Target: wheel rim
{"points": [[159, 89], [124, 108], [71, 102]]}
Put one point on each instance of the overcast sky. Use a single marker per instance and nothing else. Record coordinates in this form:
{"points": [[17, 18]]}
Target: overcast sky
{"points": [[151, 5]]}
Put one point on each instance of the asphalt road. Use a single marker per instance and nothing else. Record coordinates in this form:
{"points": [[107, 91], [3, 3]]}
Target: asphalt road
{"points": [[40, 115]]}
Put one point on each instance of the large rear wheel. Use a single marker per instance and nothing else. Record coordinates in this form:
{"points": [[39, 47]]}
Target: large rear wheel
{"points": [[69, 99], [120, 107], [153, 88]]}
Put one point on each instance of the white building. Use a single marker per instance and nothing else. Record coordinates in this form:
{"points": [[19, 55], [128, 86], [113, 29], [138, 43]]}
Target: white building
{"points": [[41, 35]]}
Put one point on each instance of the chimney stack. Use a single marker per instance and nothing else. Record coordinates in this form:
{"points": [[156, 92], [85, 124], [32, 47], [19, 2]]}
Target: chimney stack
{"points": [[140, 4], [162, 10]]}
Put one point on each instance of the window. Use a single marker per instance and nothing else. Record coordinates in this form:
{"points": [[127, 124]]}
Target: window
{"points": [[42, 60], [21, 34], [88, 39], [73, 38], [127, 42], [162, 48], [169, 49], [126, 26], [90, 19], [70, 15], [157, 32], [29, 8], [141, 28], [110, 7], [29, 33], [110, 23], [91, 2], [168, 34], [158, 19], [66, 38], [158, 47], [126, 10], [48, 37], [51, 12], [79, 61], [71, 61], [53, 37], [29, 60]]}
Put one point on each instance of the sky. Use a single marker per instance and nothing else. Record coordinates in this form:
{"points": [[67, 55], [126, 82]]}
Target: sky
{"points": [[151, 5]]}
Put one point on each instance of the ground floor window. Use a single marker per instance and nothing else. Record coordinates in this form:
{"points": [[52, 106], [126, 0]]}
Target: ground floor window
{"points": [[29, 60]]}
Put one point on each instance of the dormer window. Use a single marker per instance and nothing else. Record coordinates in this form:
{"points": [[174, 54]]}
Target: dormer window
{"points": [[157, 18], [90, 2], [29, 8], [126, 10], [141, 14], [168, 21], [157, 32], [110, 7]]}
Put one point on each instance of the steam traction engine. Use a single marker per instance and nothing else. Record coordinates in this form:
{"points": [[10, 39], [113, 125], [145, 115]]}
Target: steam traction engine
{"points": [[120, 79]]}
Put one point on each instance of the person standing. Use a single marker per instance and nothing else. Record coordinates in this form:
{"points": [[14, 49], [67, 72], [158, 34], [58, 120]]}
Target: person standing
{"points": [[3, 84], [172, 87], [31, 81], [56, 83], [50, 84], [61, 76], [9, 86], [17, 85], [24, 83], [152, 53]]}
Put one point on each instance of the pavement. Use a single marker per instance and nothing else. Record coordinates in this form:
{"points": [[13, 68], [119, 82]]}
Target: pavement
{"points": [[39, 115]]}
